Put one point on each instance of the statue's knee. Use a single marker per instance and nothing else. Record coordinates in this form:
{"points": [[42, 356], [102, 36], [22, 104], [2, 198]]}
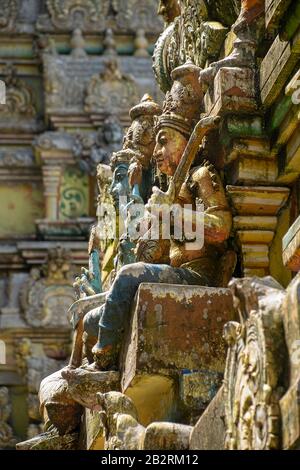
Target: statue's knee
{"points": [[91, 322], [133, 270]]}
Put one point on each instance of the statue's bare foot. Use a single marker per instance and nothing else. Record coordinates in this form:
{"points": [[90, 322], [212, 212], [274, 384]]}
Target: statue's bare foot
{"points": [[85, 382], [106, 357]]}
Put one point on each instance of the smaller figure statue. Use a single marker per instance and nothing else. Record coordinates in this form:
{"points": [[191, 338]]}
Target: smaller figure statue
{"points": [[7, 439], [98, 147]]}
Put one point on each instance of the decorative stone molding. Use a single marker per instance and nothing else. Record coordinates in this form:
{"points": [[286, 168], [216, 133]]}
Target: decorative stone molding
{"points": [[66, 15], [255, 223], [46, 296], [82, 91], [134, 14], [19, 111], [111, 92], [8, 15], [255, 358], [192, 36]]}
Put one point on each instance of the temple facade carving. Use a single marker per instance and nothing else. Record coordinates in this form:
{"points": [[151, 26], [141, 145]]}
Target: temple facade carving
{"points": [[70, 84], [127, 327]]}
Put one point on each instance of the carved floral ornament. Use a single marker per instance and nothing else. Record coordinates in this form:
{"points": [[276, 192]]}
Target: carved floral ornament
{"points": [[8, 15], [134, 14], [47, 294], [94, 15], [19, 98], [111, 92], [88, 15], [253, 373]]}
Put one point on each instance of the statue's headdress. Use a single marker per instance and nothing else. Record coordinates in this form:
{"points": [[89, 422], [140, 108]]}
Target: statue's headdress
{"points": [[122, 156], [140, 136], [146, 107], [182, 105]]}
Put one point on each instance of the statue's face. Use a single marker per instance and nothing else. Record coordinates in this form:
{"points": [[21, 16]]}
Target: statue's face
{"points": [[120, 185], [170, 145]]}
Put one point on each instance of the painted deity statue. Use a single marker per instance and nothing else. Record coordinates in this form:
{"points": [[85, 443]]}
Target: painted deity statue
{"points": [[185, 266], [132, 170], [131, 182]]}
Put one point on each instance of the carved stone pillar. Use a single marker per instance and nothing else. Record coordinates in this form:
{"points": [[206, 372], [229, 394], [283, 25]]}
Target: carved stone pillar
{"points": [[51, 179]]}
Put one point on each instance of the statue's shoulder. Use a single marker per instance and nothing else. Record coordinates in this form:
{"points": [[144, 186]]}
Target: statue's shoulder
{"points": [[206, 177]]}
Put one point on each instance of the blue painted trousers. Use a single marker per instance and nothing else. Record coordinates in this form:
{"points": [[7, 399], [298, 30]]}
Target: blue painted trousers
{"points": [[110, 319]]}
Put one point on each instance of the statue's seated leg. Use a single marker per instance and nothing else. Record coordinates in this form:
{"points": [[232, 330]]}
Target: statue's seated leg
{"points": [[90, 327], [115, 311]]}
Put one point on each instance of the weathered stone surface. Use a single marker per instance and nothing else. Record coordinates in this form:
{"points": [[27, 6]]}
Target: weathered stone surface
{"points": [[274, 12], [57, 405], [276, 67], [247, 170], [291, 319], [209, 432], [171, 331], [119, 416], [83, 385], [257, 200], [167, 436], [234, 91], [50, 441], [7, 438], [290, 417], [92, 431], [197, 389], [154, 396]]}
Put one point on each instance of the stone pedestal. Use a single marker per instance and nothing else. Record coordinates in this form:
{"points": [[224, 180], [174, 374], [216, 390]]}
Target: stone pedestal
{"points": [[175, 330]]}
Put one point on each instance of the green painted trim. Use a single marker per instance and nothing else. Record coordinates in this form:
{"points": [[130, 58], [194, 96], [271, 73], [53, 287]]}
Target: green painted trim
{"points": [[279, 112], [292, 21], [252, 127]]}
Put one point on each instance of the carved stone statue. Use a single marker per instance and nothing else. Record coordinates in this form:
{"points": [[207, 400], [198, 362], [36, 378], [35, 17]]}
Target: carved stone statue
{"points": [[135, 158], [187, 266]]}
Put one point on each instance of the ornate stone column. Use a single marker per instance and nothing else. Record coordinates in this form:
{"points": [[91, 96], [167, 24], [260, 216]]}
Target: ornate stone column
{"points": [[51, 179]]}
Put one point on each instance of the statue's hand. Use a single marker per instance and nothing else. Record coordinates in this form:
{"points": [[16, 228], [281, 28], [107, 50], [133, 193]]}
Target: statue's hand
{"points": [[160, 198], [135, 173]]}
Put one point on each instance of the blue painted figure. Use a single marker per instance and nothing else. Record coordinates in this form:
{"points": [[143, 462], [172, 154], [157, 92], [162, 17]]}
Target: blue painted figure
{"points": [[186, 265]]}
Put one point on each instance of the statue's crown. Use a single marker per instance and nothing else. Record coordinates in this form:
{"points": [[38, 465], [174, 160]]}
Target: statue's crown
{"points": [[122, 156], [182, 105], [146, 107]]}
